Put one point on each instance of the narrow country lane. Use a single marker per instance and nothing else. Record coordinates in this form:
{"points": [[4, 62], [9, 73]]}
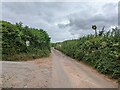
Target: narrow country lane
{"points": [[68, 73], [57, 71]]}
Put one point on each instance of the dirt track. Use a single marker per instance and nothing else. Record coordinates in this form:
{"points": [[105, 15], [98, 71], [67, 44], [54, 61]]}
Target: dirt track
{"points": [[57, 71], [70, 73]]}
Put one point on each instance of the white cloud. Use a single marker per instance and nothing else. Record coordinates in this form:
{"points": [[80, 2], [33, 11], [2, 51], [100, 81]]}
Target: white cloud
{"points": [[62, 20], [59, 0]]}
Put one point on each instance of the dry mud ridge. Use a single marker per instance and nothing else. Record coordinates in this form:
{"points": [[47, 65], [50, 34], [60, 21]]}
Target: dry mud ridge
{"points": [[57, 71]]}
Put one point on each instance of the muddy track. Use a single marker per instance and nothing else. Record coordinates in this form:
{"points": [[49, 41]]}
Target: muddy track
{"points": [[57, 71]]}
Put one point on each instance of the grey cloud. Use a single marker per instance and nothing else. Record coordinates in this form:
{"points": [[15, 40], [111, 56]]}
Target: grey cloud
{"points": [[51, 16], [81, 22]]}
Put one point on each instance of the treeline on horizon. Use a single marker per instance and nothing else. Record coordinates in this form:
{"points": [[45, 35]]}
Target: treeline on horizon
{"points": [[101, 52], [14, 38]]}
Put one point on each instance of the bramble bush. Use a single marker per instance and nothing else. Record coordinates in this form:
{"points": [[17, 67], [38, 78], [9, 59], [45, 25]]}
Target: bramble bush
{"points": [[101, 52], [14, 37]]}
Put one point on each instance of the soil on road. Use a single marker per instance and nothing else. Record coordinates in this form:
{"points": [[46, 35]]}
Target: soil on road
{"points": [[57, 71], [68, 73], [29, 74]]}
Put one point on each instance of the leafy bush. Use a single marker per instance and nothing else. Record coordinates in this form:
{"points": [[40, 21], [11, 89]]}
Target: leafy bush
{"points": [[102, 52], [14, 37]]}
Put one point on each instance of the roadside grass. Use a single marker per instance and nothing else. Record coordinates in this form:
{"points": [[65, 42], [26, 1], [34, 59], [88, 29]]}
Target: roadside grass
{"points": [[23, 57]]}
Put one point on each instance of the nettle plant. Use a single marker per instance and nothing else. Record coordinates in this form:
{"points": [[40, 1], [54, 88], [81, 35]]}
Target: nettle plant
{"points": [[94, 27]]}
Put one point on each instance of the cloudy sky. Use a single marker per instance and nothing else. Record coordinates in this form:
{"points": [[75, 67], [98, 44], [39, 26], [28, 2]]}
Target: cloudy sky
{"points": [[62, 20]]}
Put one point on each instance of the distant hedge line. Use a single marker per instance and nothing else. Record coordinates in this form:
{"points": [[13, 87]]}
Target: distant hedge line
{"points": [[101, 52], [14, 37]]}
